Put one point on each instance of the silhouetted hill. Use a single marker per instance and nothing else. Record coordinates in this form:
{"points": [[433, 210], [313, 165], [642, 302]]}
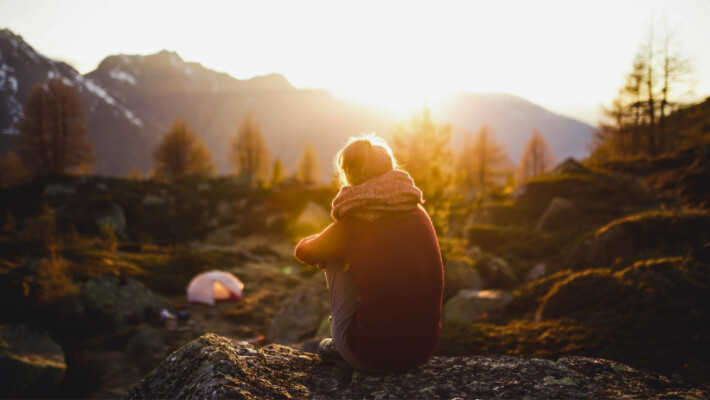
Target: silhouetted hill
{"points": [[513, 119], [132, 100]]}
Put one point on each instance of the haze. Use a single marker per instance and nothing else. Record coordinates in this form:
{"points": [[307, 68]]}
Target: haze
{"points": [[569, 57]]}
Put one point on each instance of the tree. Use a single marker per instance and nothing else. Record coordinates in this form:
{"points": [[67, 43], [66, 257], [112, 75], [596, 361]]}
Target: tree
{"points": [[482, 161], [12, 171], [277, 173], [536, 158], [422, 148], [248, 151], [52, 129], [638, 118], [181, 153], [308, 169]]}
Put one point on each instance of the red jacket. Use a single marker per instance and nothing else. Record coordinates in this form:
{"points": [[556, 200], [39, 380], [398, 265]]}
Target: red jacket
{"points": [[397, 267]]}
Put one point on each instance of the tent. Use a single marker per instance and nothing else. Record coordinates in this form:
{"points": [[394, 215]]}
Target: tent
{"points": [[212, 286]]}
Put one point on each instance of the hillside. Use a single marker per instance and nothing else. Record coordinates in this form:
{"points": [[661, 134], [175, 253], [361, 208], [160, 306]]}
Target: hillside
{"points": [[131, 101]]}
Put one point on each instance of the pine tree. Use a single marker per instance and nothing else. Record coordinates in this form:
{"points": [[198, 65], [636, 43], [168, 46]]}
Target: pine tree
{"points": [[249, 154], [52, 137], [308, 169], [536, 159], [181, 153], [482, 161]]}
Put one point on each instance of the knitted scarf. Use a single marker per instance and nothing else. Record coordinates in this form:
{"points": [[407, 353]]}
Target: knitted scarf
{"points": [[391, 192]]}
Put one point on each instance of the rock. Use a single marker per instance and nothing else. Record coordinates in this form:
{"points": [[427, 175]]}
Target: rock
{"points": [[146, 347], [570, 166], [214, 367], [152, 200], [629, 238], [536, 272], [110, 304], [31, 363], [496, 272], [303, 312], [112, 216], [460, 275], [560, 214], [469, 305], [58, 189]]}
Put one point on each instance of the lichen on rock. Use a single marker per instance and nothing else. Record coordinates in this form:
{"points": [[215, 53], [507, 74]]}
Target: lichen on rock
{"points": [[216, 367]]}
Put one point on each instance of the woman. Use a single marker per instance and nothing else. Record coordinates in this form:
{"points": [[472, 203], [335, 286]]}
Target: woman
{"points": [[382, 263]]}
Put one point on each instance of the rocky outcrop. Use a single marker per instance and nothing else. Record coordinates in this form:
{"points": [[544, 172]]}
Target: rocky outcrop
{"points": [[214, 367], [303, 312], [31, 363], [560, 214]]}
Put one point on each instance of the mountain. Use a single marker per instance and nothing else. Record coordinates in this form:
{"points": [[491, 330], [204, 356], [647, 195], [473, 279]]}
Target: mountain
{"points": [[132, 100], [513, 120]]}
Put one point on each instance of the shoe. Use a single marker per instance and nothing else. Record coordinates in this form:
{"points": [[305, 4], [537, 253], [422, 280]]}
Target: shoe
{"points": [[329, 354]]}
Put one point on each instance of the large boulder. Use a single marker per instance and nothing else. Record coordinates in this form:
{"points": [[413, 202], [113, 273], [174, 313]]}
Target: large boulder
{"points": [[469, 305], [214, 367], [110, 304], [303, 312], [637, 236], [560, 214], [31, 363], [458, 275]]}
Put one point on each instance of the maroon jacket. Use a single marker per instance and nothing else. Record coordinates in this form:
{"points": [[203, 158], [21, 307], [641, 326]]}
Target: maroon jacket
{"points": [[397, 267]]}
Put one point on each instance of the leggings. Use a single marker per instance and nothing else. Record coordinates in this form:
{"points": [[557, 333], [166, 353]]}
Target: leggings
{"points": [[344, 302]]}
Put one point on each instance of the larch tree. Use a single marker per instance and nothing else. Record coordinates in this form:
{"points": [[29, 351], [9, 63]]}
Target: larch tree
{"points": [[181, 153], [308, 169], [535, 160], [248, 152], [52, 137], [12, 171], [482, 160], [277, 173], [422, 148]]}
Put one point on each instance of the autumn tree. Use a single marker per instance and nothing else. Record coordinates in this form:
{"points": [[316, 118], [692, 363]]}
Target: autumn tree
{"points": [[536, 158], [52, 137], [308, 169], [421, 148], [12, 171], [181, 153], [277, 173], [248, 151], [482, 160], [636, 124]]}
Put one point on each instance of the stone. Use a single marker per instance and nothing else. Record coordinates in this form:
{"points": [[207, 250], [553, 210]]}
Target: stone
{"points": [[112, 216], [496, 272], [58, 189], [560, 214], [469, 305], [111, 304], [536, 272], [153, 199], [458, 275], [302, 313], [214, 367], [570, 166], [31, 363]]}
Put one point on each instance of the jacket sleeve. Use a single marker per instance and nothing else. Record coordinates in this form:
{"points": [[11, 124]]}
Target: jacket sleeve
{"points": [[328, 245]]}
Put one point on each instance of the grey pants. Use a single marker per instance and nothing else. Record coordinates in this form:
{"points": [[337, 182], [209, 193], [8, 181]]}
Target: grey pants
{"points": [[344, 301]]}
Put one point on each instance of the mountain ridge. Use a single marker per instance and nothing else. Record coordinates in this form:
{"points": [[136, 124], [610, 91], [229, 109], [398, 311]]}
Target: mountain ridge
{"points": [[131, 101]]}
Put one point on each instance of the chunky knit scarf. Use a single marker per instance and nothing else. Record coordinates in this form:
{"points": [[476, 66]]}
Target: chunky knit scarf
{"points": [[391, 192]]}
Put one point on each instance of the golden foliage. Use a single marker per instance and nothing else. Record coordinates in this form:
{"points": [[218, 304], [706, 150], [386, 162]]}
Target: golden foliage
{"points": [[308, 169], [249, 154], [181, 153]]}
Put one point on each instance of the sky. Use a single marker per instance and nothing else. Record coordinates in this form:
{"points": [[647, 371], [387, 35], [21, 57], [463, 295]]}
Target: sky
{"points": [[567, 56]]}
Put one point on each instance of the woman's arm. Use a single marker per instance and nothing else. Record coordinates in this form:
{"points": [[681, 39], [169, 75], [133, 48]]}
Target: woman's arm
{"points": [[328, 245]]}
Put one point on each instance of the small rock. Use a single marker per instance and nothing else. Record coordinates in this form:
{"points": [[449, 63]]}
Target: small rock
{"points": [[302, 314], [152, 199], [537, 272], [560, 214], [496, 272], [469, 305], [460, 275], [31, 363], [58, 189]]}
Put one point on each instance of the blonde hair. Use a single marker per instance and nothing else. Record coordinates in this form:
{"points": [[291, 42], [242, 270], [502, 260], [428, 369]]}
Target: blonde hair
{"points": [[364, 157]]}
